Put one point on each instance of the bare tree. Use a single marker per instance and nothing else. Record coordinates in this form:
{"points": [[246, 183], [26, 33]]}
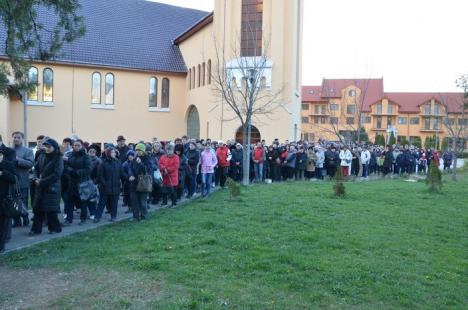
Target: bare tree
{"points": [[457, 130], [240, 82]]}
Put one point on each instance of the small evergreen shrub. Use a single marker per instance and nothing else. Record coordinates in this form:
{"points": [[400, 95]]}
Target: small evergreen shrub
{"points": [[339, 186], [434, 178], [234, 188]]}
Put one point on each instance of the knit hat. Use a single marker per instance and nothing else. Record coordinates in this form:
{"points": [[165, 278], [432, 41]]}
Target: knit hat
{"points": [[130, 152], [140, 147]]}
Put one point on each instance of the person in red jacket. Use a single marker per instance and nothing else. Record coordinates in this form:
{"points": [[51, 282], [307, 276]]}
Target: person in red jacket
{"points": [[223, 155], [169, 167], [258, 156]]}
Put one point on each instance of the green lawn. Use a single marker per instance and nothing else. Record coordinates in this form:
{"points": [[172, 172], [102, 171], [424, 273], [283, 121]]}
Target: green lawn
{"points": [[389, 244]]}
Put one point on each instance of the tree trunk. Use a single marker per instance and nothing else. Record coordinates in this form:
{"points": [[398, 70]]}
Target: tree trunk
{"points": [[454, 169], [246, 135]]}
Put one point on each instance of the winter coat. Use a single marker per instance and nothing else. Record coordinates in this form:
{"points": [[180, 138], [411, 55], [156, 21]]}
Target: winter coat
{"points": [[365, 157], [95, 163], [169, 166], [290, 160], [49, 172], [332, 158], [258, 155], [272, 157], [346, 158], [108, 176], [24, 162], [237, 157], [448, 158], [193, 157], [6, 179], [8, 154], [136, 169], [301, 160], [311, 160], [224, 156], [184, 170], [320, 159], [207, 162], [122, 153], [388, 161], [79, 168]]}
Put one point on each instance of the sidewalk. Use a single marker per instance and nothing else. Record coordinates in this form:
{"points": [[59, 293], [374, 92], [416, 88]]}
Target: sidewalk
{"points": [[20, 238]]}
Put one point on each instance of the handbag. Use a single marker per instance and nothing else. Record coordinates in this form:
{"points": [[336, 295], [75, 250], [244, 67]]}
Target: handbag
{"points": [[145, 183], [88, 191], [13, 205]]}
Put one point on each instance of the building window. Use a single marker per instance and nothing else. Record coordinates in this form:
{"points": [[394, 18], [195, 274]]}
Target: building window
{"points": [[389, 121], [436, 109], [96, 88], [199, 75], [203, 73], [48, 85], [251, 28], [449, 121], [365, 119], [165, 93], [390, 108], [209, 71], [109, 88], [305, 107], [427, 123], [379, 108], [379, 122], [153, 92], [414, 121], [462, 122], [402, 120], [33, 79], [349, 120], [334, 107], [352, 93], [194, 80], [436, 123], [317, 109], [427, 109], [334, 120], [305, 120], [190, 78], [351, 109]]}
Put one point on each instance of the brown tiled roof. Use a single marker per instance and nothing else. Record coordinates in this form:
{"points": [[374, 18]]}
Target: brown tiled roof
{"points": [[410, 102], [374, 92]]}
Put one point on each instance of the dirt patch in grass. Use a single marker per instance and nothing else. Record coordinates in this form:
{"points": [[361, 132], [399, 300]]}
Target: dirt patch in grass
{"points": [[50, 289]]}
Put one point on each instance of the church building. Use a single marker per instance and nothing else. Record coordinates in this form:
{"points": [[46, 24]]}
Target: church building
{"points": [[144, 69]]}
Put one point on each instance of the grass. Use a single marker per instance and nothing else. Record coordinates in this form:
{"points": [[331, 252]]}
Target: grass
{"points": [[389, 244]]}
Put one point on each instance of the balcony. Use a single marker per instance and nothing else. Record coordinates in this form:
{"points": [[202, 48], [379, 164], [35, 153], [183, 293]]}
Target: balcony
{"points": [[384, 114], [426, 129], [378, 129], [319, 114]]}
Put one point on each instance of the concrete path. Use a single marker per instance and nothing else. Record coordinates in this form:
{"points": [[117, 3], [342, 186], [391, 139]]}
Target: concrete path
{"points": [[20, 235]]}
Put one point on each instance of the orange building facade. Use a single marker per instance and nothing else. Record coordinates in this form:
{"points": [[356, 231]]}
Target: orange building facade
{"points": [[339, 107]]}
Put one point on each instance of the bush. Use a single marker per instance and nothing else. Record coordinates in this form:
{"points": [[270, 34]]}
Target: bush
{"points": [[379, 140], [432, 142], [417, 142], [434, 178], [339, 187], [392, 139], [234, 188]]}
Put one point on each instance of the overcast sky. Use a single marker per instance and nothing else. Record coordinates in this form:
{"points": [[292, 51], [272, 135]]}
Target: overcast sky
{"points": [[416, 45]]}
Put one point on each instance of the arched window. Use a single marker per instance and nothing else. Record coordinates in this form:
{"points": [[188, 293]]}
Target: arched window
{"points": [[33, 79], [96, 88], [190, 79], [109, 88], [47, 85], [194, 71], [153, 92], [199, 75], [209, 71], [165, 93], [203, 73]]}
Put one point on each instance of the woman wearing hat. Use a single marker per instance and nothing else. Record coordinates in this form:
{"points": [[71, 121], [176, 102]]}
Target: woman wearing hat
{"points": [[7, 178], [47, 175], [139, 166]]}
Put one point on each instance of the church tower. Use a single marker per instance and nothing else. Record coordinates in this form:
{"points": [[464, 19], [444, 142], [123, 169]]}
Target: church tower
{"points": [[273, 28]]}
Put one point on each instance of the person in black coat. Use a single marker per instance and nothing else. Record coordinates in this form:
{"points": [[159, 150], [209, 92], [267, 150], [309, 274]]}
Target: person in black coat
{"points": [[236, 162], [7, 179], [79, 167], [47, 180], [388, 161], [273, 160], [332, 160], [301, 164], [109, 174], [193, 157]]}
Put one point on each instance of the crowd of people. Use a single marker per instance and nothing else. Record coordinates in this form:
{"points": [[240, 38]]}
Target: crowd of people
{"points": [[92, 179]]}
